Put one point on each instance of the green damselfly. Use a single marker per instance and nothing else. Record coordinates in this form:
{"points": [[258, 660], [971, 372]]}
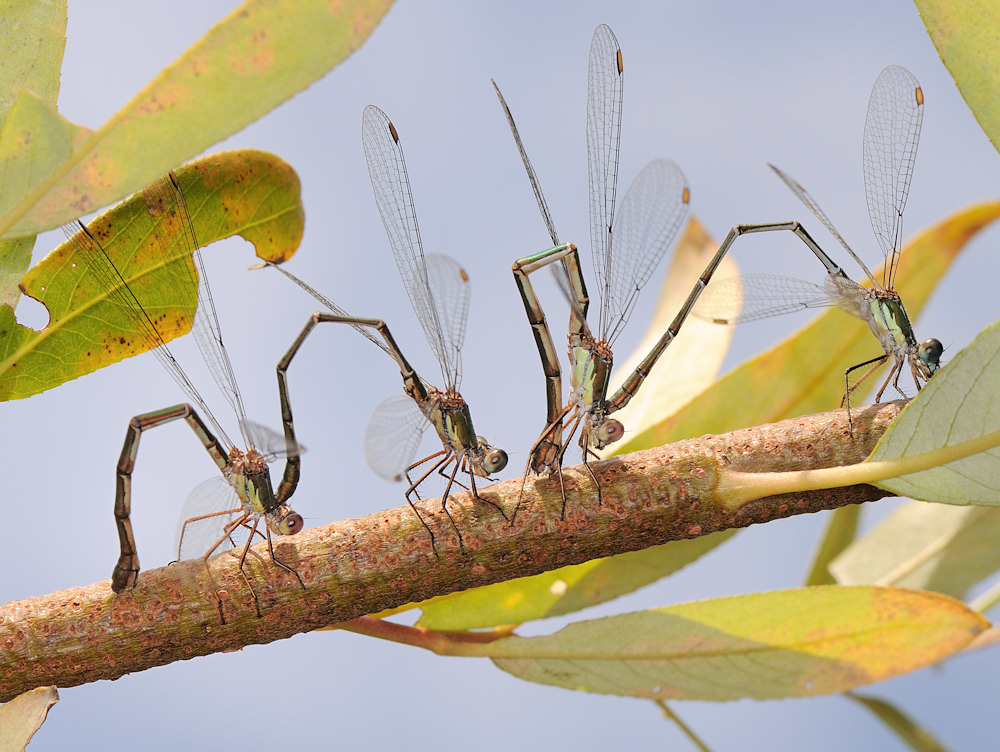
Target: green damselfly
{"points": [[892, 130], [230, 506], [438, 288], [627, 247]]}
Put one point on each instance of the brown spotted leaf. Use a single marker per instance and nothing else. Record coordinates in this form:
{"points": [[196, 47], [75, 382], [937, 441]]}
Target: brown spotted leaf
{"points": [[248, 193]]}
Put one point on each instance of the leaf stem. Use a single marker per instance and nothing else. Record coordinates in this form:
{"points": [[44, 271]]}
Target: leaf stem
{"points": [[986, 600], [738, 488], [685, 729], [442, 643]]}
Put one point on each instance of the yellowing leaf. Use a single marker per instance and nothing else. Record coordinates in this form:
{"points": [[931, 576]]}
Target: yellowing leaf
{"points": [[965, 33], [32, 41], [925, 546], [793, 643], [563, 590], [261, 54], [15, 256], [805, 373], [958, 404], [34, 141], [250, 193], [21, 717]]}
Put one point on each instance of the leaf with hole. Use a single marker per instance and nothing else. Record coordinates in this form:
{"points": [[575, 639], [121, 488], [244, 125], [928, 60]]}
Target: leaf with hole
{"points": [[249, 193]]}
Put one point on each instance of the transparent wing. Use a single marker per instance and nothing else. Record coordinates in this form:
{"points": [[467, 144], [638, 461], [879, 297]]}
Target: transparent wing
{"points": [[393, 435], [652, 212], [174, 232], [604, 120], [758, 296], [365, 331], [387, 171], [449, 285], [559, 270], [848, 295], [561, 275], [809, 201], [103, 269], [216, 503], [271, 444], [892, 130], [543, 207]]}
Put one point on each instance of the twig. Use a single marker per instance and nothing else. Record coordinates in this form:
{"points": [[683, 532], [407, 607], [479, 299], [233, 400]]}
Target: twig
{"points": [[385, 560]]}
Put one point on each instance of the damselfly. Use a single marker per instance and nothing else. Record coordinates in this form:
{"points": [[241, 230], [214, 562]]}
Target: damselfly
{"points": [[247, 493], [892, 130], [438, 289], [626, 249]]}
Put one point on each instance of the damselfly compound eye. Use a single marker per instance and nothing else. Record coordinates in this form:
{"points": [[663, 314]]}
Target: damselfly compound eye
{"points": [[930, 351], [291, 524], [610, 431], [495, 461]]}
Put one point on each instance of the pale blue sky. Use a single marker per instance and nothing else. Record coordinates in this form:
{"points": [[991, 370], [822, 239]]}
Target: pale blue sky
{"points": [[721, 88]]}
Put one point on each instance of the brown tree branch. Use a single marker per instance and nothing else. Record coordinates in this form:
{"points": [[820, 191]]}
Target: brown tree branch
{"points": [[370, 564]]}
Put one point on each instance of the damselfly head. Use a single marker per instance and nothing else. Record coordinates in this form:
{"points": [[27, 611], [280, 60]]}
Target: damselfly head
{"points": [[609, 432], [929, 352], [494, 460], [284, 521], [250, 462]]}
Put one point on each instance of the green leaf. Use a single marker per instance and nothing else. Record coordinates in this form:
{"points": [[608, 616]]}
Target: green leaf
{"points": [[805, 373], [32, 40], [34, 141], [840, 531], [958, 404], [250, 193], [21, 717], [793, 643], [563, 590], [257, 57], [965, 33], [925, 546], [15, 256], [916, 736]]}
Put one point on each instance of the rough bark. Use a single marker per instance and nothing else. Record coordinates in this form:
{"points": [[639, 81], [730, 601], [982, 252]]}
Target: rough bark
{"points": [[385, 560]]}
